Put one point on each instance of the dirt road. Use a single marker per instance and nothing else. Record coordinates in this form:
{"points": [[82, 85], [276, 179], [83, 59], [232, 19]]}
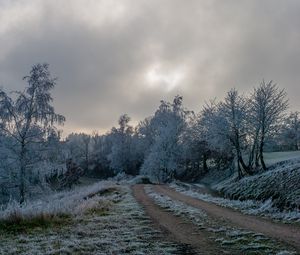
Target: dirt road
{"points": [[174, 227], [188, 233]]}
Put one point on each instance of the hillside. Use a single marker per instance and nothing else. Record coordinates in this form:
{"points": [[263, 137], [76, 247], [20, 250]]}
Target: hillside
{"points": [[280, 184]]}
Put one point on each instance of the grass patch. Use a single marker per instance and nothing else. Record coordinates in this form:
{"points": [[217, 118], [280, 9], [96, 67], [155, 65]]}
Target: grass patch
{"points": [[103, 192], [98, 211], [17, 225]]}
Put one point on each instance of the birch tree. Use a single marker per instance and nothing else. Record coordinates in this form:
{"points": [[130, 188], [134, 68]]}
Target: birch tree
{"points": [[26, 116]]}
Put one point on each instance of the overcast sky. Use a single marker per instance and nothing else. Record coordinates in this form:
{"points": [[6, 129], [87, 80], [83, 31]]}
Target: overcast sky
{"points": [[114, 57]]}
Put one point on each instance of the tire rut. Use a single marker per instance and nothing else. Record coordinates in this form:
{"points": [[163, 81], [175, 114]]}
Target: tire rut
{"points": [[175, 228]]}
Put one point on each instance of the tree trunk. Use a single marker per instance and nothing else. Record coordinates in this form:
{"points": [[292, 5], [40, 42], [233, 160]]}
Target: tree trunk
{"points": [[239, 153], [240, 159], [256, 157], [240, 173], [251, 158], [244, 166], [253, 153], [261, 153], [296, 145], [22, 173], [205, 167]]}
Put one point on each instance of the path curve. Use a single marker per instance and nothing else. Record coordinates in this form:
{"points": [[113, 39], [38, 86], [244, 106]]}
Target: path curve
{"points": [[174, 227], [282, 232]]}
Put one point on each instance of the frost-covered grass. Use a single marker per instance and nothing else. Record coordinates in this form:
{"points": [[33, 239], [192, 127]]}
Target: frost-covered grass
{"points": [[214, 176], [278, 188], [177, 207], [54, 208], [275, 157], [252, 207], [235, 240], [122, 229]]}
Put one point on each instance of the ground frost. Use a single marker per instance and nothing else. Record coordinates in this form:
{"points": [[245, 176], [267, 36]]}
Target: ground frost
{"points": [[230, 238]]}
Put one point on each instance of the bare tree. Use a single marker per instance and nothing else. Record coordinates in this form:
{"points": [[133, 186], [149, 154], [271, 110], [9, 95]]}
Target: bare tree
{"points": [[235, 109], [28, 115], [269, 105]]}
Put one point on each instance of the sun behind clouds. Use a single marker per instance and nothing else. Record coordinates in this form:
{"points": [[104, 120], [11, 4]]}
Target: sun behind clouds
{"points": [[168, 79]]}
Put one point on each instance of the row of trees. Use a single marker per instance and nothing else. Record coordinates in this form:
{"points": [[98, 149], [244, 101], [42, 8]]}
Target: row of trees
{"points": [[245, 123], [177, 143], [172, 143]]}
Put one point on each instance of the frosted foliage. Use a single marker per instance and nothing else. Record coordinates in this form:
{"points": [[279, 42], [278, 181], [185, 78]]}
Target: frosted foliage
{"points": [[168, 125], [214, 127], [121, 139], [290, 132]]}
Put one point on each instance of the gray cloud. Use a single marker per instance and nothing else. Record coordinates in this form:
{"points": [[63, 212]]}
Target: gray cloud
{"points": [[115, 57]]}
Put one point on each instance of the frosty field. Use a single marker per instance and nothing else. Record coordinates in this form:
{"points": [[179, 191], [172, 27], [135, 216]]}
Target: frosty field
{"points": [[112, 223], [106, 218]]}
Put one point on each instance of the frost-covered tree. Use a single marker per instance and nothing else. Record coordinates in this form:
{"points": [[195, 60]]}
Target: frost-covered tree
{"points": [[196, 150], [121, 138], [215, 131], [167, 126], [269, 104], [100, 149], [234, 109], [78, 145], [8, 166], [26, 116], [86, 141], [290, 134], [146, 135], [75, 147]]}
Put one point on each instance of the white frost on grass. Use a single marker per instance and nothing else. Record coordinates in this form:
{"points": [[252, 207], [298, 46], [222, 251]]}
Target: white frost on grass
{"points": [[280, 183], [178, 208], [275, 157], [251, 207], [284, 253], [72, 202], [230, 238], [124, 229]]}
